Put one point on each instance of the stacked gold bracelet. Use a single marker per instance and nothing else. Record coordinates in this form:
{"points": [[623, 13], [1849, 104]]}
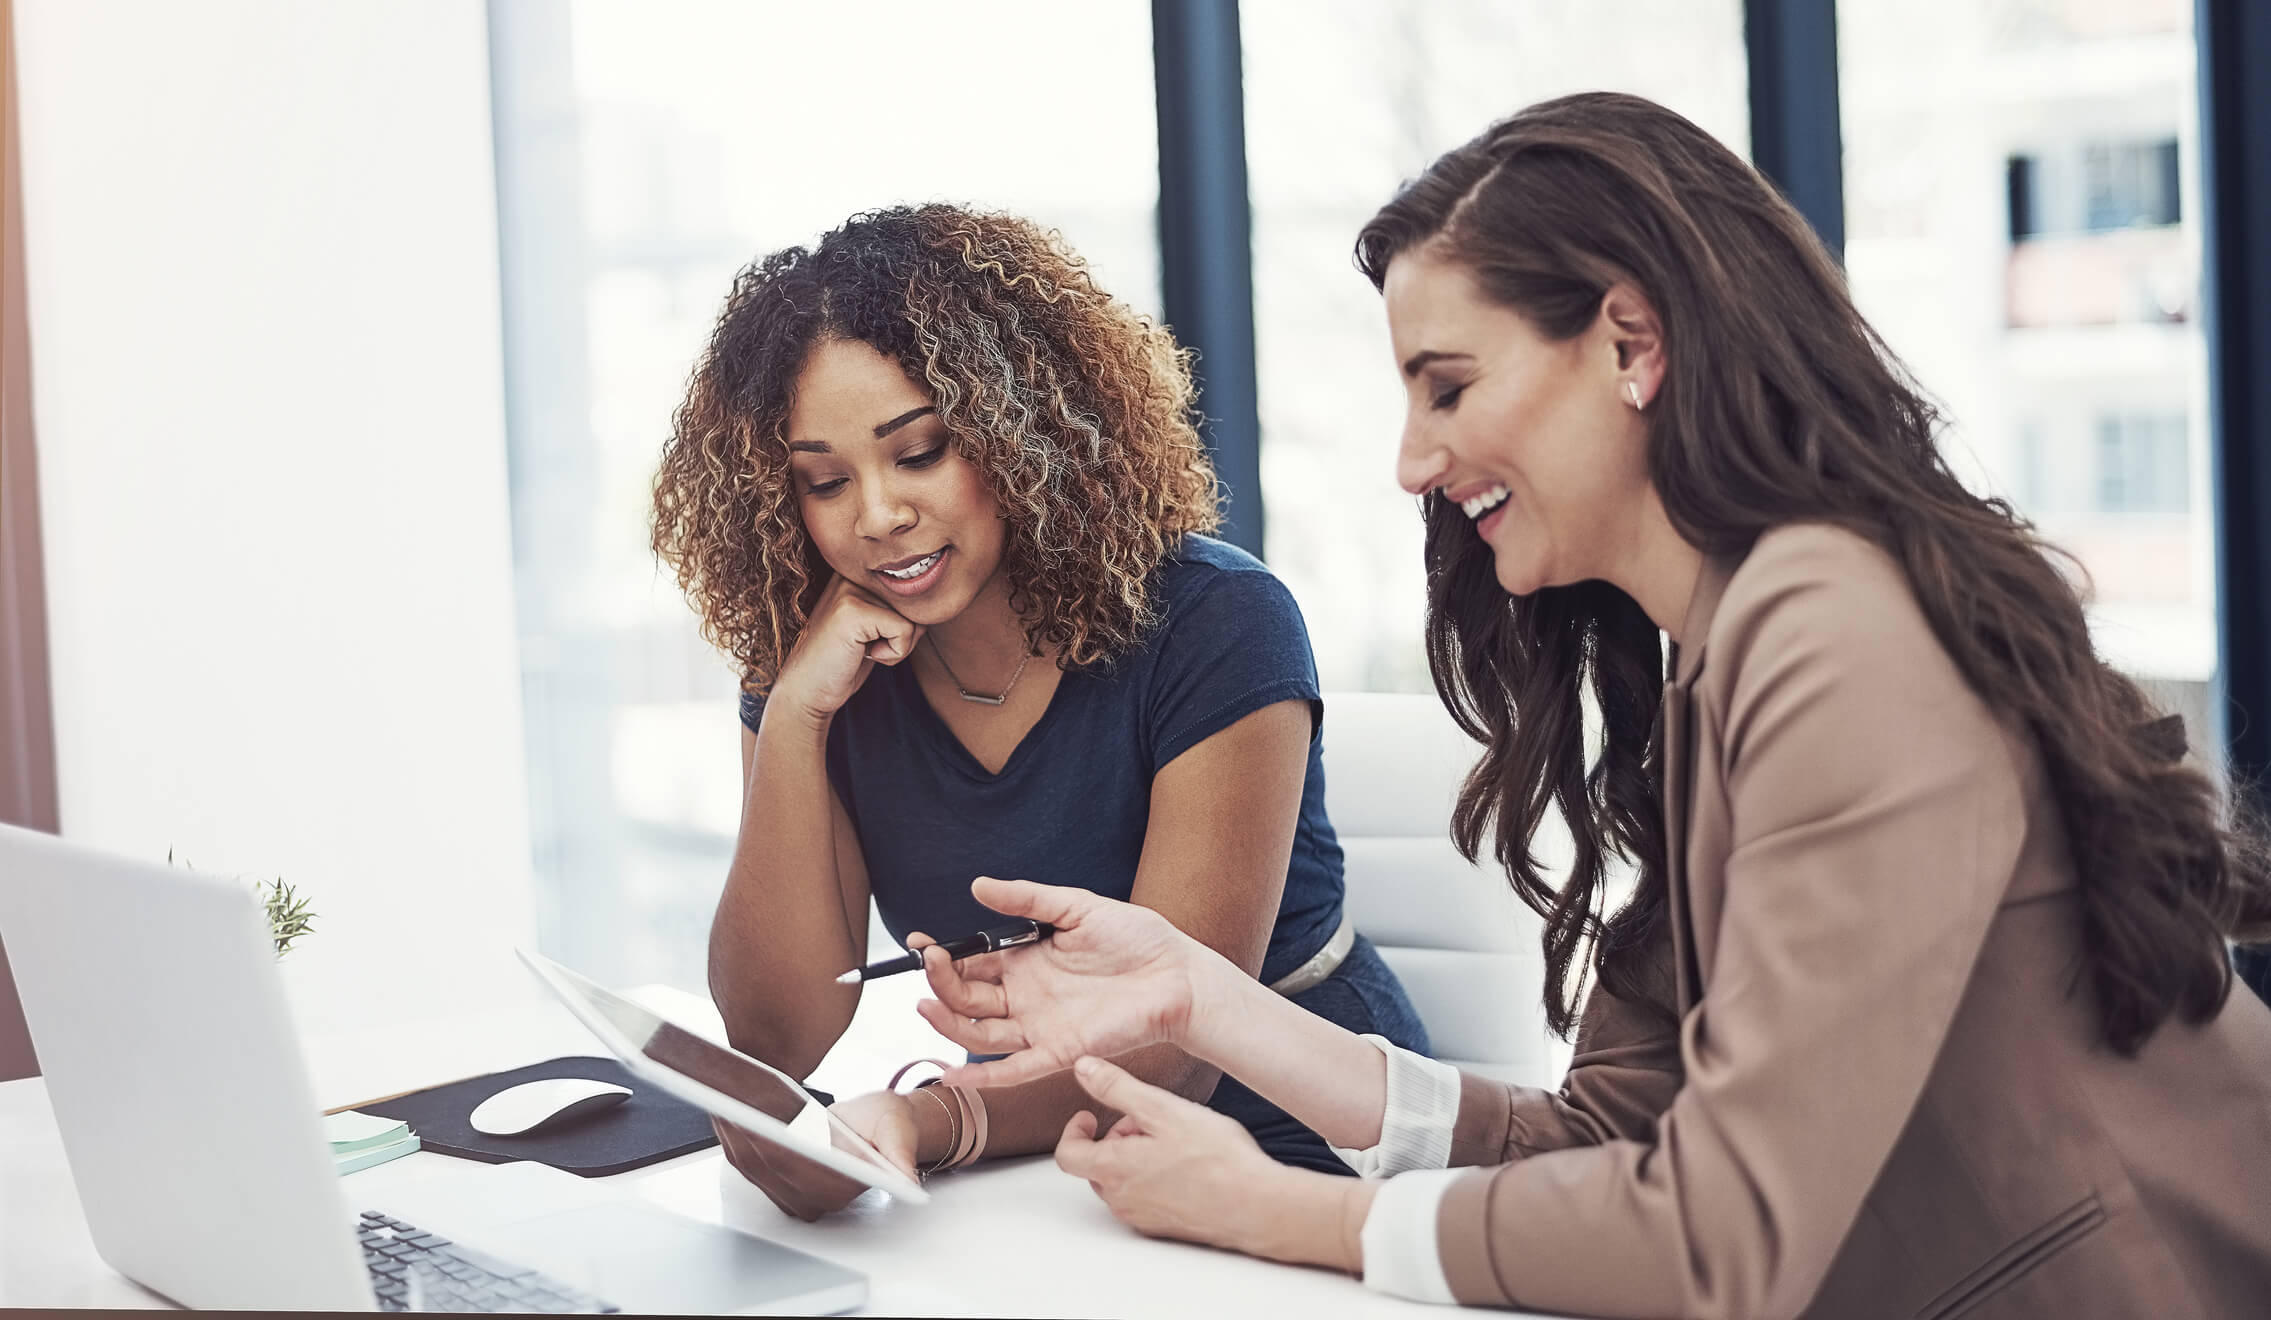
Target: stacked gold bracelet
{"points": [[953, 1117], [965, 1115]]}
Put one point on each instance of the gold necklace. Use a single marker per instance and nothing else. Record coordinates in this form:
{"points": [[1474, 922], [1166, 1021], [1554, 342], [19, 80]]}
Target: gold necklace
{"points": [[966, 694]]}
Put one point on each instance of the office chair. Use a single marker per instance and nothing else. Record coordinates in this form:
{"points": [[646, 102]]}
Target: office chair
{"points": [[1465, 947]]}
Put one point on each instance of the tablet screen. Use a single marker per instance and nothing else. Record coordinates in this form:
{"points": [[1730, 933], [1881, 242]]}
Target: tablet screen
{"points": [[754, 1083]]}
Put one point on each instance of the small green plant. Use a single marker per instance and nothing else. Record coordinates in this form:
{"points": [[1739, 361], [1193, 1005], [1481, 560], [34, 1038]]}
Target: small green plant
{"points": [[288, 914]]}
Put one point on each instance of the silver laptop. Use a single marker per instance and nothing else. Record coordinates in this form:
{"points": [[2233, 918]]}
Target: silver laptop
{"points": [[199, 1154]]}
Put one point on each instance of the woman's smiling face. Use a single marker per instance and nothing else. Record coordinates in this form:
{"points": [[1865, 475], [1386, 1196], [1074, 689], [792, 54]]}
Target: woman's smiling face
{"points": [[1538, 440], [885, 494]]}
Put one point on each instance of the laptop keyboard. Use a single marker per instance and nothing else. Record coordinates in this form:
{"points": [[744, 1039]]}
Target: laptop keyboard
{"points": [[419, 1271]]}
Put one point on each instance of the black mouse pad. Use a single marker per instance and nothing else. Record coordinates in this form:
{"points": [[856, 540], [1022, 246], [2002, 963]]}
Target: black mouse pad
{"points": [[648, 1127]]}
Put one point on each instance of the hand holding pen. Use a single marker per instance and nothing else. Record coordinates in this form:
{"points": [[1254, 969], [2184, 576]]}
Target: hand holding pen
{"points": [[993, 940], [1112, 977]]}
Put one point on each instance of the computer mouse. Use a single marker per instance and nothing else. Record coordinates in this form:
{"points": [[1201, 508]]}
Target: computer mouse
{"points": [[541, 1106]]}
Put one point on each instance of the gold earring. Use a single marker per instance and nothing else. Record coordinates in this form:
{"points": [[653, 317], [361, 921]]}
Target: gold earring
{"points": [[1632, 392]]}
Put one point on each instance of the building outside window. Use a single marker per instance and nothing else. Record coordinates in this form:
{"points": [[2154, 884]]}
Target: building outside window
{"points": [[2020, 216], [2143, 463]]}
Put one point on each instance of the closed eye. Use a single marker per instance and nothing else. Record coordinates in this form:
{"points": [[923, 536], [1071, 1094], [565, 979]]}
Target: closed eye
{"points": [[927, 458], [1447, 398]]}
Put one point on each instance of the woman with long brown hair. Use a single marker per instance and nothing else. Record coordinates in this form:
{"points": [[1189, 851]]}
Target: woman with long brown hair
{"points": [[1920, 1005], [942, 500]]}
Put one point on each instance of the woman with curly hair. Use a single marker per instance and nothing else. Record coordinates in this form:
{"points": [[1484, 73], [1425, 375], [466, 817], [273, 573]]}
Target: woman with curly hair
{"points": [[1920, 1005], [942, 501]]}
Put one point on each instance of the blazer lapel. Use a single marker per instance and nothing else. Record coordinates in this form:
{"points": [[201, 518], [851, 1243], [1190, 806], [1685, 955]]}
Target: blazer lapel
{"points": [[1677, 739], [1679, 771]]}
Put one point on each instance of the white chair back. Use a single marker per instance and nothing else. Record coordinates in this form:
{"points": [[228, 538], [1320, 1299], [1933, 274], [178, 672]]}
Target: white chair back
{"points": [[1464, 946]]}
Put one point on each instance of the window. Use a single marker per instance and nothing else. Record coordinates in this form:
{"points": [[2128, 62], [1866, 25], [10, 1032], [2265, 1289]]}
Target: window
{"points": [[2130, 184], [2094, 186], [2143, 462], [1344, 100], [2019, 218]]}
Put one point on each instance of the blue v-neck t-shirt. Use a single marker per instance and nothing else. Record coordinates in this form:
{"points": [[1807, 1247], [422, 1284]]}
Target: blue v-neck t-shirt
{"points": [[1071, 804]]}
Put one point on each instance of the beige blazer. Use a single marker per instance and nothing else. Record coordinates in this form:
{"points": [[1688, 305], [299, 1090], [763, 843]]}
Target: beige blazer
{"points": [[1883, 1092]]}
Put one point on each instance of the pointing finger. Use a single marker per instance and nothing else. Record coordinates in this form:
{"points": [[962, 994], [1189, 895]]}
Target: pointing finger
{"points": [[1113, 1086]]}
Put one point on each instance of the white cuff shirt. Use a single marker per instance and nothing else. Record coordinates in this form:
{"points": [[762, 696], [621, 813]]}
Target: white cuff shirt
{"points": [[1400, 1252]]}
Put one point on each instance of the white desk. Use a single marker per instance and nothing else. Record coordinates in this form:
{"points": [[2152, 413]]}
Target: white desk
{"points": [[1017, 1238]]}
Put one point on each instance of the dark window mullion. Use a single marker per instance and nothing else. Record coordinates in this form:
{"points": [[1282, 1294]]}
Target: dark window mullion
{"points": [[1206, 266], [2233, 38], [1796, 140], [2235, 155]]}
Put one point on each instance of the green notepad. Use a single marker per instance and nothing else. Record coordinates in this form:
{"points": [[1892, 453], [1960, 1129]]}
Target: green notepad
{"points": [[360, 1140]]}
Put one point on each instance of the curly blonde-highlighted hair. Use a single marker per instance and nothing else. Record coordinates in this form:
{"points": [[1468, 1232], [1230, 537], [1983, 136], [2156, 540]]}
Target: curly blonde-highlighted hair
{"points": [[1077, 411]]}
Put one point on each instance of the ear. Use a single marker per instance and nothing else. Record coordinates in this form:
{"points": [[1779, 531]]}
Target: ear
{"points": [[1636, 337]]}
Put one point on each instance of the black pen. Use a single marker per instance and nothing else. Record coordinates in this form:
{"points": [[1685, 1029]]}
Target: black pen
{"points": [[1022, 931]]}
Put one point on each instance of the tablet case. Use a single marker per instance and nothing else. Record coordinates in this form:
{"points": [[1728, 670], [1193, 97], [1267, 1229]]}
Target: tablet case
{"points": [[648, 1127]]}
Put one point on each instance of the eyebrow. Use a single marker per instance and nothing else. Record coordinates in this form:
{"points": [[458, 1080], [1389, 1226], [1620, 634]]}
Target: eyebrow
{"points": [[902, 419], [821, 446], [1425, 356]]}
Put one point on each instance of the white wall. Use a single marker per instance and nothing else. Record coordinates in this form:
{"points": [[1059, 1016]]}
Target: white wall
{"points": [[261, 249]]}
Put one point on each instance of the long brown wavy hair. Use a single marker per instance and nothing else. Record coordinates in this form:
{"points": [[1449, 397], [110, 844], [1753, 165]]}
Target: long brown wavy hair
{"points": [[1779, 404], [1076, 410]]}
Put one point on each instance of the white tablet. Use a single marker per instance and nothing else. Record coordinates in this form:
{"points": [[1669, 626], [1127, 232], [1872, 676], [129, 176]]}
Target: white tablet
{"points": [[746, 1092]]}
